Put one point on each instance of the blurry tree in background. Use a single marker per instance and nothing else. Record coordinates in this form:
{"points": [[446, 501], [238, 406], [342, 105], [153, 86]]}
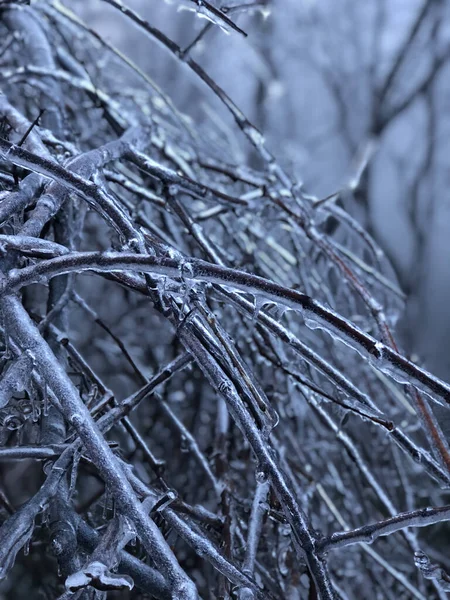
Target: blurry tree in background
{"points": [[328, 81], [205, 390]]}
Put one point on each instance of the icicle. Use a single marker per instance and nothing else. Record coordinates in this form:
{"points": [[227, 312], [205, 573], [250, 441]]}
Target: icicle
{"points": [[161, 290], [45, 515], [203, 12], [265, 12], [129, 532], [36, 411], [73, 473], [273, 418], [259, 302], [186, 271], [45, 402], [279, 311], [336, 334], [106, 503], [188, 287], [282, 562]]}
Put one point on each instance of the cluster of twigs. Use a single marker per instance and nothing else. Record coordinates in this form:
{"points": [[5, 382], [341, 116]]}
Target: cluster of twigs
{"points": [[221, 405]]}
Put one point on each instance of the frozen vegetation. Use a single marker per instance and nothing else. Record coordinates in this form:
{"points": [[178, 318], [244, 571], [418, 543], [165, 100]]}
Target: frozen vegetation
{"points": [[219, 230]]}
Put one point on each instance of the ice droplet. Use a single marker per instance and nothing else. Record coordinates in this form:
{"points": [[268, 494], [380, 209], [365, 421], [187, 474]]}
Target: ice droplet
{"points": [[186, 269], [282, 562], [14, 273], [246, 594], [184, 444], [255, 136], [379, 347], [11, 421], [76, 419], [261, 475]]}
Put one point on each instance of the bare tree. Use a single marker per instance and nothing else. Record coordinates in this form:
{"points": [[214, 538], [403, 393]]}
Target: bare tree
{"points": [[202, 394]]}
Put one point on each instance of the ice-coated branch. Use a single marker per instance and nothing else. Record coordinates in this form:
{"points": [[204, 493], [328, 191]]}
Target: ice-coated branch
{"points": [[316, 314], [26, 335], [423, 517], [229, 385]]}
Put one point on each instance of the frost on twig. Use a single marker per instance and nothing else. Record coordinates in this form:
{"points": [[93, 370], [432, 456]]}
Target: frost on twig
{"points": [[206, 10], [431, 571]]}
